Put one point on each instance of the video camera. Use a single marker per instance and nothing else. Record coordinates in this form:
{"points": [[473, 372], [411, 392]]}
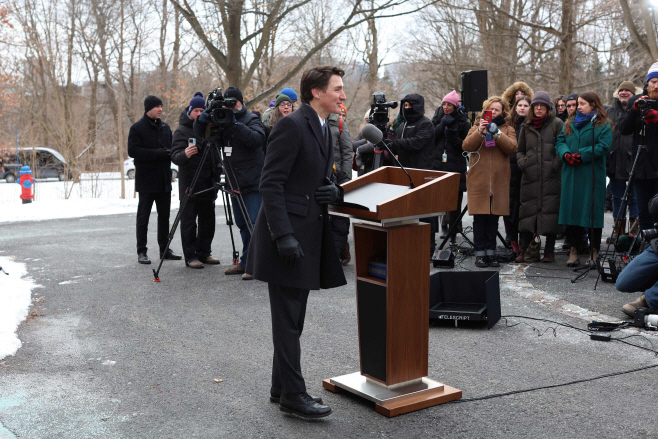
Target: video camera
{"points": [[650, 234], [379, 110], [222, 110], [647, 104]]}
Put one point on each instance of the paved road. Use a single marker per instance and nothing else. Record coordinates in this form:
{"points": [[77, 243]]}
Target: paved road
{"points": [[107, 353]]}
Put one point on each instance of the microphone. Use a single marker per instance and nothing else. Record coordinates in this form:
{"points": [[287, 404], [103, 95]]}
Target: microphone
{"points": [[374, 135]]}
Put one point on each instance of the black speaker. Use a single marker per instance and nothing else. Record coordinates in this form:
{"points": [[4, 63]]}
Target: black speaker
{"points": [[443, 259], [474, 89]]}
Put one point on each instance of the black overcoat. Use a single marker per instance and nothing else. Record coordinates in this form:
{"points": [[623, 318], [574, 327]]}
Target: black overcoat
{"points": [[629, 123], [298, 160], [149, 143]]}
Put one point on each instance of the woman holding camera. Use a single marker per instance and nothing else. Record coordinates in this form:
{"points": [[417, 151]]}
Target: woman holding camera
{"points": [[490, 141], [583, 146]]}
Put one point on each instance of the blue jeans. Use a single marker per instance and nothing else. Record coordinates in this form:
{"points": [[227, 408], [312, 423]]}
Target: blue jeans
{"points": [[252, 201], [644, 191], [618, 187], [641, 275]]}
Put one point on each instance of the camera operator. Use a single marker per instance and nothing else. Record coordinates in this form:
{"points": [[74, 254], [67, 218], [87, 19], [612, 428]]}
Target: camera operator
{"points": [[414, 144], [642, 272], [201, 208], [246, 138], [646, 172]]}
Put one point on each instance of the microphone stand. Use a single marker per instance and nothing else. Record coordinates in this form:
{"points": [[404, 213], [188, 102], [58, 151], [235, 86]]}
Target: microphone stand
{"points": [[411, 183]]}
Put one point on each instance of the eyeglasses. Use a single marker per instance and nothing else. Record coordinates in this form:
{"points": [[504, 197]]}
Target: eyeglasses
{"points": [[285, 104]]}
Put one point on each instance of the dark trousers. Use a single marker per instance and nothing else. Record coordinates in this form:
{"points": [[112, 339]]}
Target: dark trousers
{"points": [[618, 186], [288, 307], [252, 201], [644, 191], [197, 241], [433, 221], [485, 231], [526, 239], [574, 235], [163, 206], [451, 217]]}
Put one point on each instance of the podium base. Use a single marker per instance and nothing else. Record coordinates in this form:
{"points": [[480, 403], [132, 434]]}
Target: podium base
{"points": [[397, 400]]}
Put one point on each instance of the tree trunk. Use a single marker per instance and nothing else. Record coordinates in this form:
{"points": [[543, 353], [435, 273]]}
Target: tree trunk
{"points": [[565, 83]]}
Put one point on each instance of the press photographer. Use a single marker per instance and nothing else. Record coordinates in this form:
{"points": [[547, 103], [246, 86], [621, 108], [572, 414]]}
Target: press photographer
{"points": [[642, 273], [367, 158], [186, 153], [244, 137], [643, 113]]}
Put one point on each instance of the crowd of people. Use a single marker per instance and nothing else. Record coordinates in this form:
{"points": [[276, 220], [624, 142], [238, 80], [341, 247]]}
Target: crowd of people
{"points": [[539, 163]]}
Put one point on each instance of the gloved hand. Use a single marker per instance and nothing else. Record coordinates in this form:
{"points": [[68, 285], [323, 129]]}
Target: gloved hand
{"points": [[447, 120], [289, 249], [327, 194], [572, 159], [651, 117], [204, 117], [636, 107], [165, 154]]}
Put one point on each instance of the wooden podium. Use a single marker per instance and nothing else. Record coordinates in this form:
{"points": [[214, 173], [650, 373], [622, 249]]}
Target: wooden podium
{"points": [[393, 313]]}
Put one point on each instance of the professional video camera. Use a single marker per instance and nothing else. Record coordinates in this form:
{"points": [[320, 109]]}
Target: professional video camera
{"points": [[647, 104], [379, 110], [650, 234], [222, 109]]}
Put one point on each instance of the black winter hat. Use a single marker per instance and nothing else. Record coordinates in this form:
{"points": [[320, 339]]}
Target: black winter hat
{"points": [[234, 92], [572, 97], [151, 102]]}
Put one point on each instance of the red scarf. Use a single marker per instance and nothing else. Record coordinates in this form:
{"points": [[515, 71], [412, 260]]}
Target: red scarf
{"points": [[538, 122]]}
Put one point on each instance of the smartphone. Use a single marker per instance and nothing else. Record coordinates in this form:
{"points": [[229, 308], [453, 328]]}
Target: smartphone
{"points": [[191, 141], [487, 115]]}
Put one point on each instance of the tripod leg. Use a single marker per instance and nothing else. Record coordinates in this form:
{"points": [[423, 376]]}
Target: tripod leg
{"points": [[454, 227], [229, 221]]}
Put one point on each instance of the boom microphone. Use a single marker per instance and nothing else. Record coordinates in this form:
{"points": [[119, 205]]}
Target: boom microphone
{"points": [[374, 135]]}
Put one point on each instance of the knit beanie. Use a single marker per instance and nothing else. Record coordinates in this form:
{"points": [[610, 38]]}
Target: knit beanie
{"points": [[234, 92], [541, 97], [653, 71], [342, 107], [151, 102], [572, 97], [272, 103], [197, 102], [290, 93], [627, 85], [452, 98], [281, 98]]}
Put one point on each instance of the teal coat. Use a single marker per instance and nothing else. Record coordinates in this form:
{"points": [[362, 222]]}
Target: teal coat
{"points": [[576, 197]]}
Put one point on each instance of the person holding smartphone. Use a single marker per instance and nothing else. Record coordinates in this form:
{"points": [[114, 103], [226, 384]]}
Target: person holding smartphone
{"points": [[490, 141], [197, 222]]}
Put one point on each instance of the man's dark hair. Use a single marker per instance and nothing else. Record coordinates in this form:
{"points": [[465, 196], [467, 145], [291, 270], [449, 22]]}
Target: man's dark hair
{"points": [[317, 77]]}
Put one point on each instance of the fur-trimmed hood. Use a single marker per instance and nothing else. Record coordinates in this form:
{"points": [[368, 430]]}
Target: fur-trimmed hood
{"points": [[508, 95]]}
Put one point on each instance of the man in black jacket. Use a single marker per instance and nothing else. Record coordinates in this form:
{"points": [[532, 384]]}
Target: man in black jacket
{"points": [[414, 145], [149, 143], [246, 138], [292, 247], [201, 207], [646, 172]]}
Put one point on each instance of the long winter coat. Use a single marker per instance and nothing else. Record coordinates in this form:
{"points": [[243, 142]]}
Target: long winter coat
{"points": [[488, 176], [647, 166], [298, 160], [149, 143], [576, 196], [414, 138], [188, 166], [448, 139], [342, 146], [620, 158], [540, 183]]}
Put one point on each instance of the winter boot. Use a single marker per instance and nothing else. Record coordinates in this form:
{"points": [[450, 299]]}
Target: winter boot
{"points": [[633, 226], [519, 259], [574, 258], [515, 247], [620, 229], [630, 308]]}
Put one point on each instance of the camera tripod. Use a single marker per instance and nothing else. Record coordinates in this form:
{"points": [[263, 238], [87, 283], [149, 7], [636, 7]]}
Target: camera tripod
{"points": [[622, 208], [228, 190], [458, 229]]}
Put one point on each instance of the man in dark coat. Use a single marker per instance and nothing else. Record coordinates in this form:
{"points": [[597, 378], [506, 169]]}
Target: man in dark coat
{"points": [[292, 246], [201, 207], [246, 138], [620, 159], [646, 172], [149, 143]]}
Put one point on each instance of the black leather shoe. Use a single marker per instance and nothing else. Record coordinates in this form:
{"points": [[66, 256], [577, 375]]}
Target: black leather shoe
{"points": [[143, 259], [276, 396], [481, 262], [302, 405], [493, 262], [170, 255]]}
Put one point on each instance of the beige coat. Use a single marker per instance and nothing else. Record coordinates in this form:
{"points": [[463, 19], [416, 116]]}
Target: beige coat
{"points": [[488, 176]]}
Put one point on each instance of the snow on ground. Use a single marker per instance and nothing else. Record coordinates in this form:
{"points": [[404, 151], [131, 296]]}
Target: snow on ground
{"points": [[15, 298], [96, 194]]}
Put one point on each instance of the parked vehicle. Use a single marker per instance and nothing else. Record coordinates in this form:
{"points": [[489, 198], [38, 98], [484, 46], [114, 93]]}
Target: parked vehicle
{"points": [[129, 169], [44, 162]]}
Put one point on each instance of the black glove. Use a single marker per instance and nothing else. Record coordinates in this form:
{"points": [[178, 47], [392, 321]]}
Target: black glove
{"points": [[289, 249], [328, 193], [165, 154], [204, 118], [447, 120]]}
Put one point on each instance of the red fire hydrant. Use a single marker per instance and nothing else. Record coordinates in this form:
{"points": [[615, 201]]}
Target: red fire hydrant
{"points": [[26, 183]]}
